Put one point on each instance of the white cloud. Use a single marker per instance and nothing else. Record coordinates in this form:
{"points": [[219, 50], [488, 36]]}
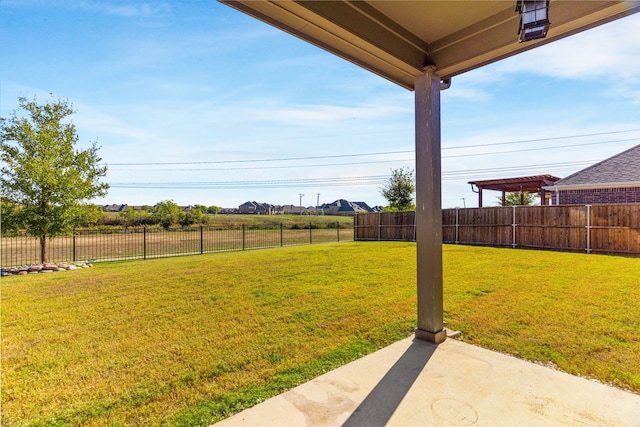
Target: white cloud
{"points": [[609, 54], [120, 9], [326, 115], [126, 10], [610, 51]]}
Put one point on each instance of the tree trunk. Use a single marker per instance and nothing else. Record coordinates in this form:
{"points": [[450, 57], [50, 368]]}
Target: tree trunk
{"points": [[43, 249]]}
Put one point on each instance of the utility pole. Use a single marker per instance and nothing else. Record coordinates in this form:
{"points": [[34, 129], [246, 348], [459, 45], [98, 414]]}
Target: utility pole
{"points": [[301, 195], [317, 203]]}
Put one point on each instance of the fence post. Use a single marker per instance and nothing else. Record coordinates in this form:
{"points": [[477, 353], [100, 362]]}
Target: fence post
{"points": [[379, 225], [73, 256], [144, 242], [355, 227], [457, 225], [310, 234], [244, 244], [281, 239], [588, 228], [201, 241], [338, 230], [513, 227]]}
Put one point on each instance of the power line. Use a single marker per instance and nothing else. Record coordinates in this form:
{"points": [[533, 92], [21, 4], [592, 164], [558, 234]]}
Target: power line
{"points": [[540, 148], [265, 167], [367, 162], [286, 159], [540, 139], [337, 181], [284, 183]]}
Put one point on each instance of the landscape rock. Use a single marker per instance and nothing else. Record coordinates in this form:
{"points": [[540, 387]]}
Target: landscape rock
{"points": [[44, 268]]}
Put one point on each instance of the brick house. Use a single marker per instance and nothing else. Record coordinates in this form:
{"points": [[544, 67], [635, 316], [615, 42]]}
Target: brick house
{"points": [[259, 208], [613, 180], [344, 207]]}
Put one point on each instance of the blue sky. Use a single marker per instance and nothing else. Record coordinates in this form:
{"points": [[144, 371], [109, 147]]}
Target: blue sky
{"points": [[194, 102]]}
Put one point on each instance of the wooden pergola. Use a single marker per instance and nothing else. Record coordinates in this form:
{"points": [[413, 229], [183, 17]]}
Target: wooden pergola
{"points": [[421, 45], [526, 184]]}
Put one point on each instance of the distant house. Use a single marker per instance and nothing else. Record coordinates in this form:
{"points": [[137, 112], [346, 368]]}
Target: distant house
{"points": [[614, 180], [115, 208], [345, 207], [247, 208], [259, 208], [295, 210]]}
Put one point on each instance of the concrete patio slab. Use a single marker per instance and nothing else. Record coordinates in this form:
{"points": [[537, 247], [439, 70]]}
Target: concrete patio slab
{"points": [[415, 383]]}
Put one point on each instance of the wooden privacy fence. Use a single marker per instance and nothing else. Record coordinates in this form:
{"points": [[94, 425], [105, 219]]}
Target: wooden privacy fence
{"points": [[609, 229]]}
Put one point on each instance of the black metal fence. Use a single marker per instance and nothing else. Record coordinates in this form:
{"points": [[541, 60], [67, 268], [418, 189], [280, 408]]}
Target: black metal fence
{"points": [[142, 243]]}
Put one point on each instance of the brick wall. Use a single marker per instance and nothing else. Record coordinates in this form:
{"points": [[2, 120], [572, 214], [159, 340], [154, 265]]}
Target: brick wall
{"points": [[599, 196]]}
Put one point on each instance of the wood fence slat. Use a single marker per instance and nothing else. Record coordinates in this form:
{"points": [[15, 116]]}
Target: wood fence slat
{"points": [[613, 229]]}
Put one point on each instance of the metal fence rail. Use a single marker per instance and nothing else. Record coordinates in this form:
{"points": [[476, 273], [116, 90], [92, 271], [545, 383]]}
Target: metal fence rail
{"points": [[142, 243]]}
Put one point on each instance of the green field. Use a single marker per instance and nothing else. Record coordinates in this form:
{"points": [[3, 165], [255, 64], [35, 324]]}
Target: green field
{"points": [[235, 220], [191, 340]]}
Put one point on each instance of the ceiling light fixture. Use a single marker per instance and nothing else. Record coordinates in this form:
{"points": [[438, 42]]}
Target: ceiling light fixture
{"points": [[534, 19]]}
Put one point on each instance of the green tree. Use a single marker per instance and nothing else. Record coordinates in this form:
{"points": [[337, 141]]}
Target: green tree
{"points": [[513, 199], [213, 210], [399, 189], [168, 213], [201, 208], [128, 216], [194, 216], [45, 181]]}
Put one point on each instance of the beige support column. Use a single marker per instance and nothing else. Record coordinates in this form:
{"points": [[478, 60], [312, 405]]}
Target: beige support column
{"points": [[429, 207]]}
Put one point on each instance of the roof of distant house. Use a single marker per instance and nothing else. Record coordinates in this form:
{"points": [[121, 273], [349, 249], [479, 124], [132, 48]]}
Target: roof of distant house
{"points": [[623, 168]]}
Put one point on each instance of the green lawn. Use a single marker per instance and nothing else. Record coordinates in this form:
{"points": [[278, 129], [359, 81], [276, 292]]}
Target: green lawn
{"points": [[190, 340]]}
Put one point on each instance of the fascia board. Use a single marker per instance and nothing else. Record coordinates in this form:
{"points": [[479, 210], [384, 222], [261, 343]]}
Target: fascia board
{"points": [[556, 188]]}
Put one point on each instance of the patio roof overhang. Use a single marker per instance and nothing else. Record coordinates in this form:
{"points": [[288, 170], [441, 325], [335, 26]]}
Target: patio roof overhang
{"points": [[527, 184], [397, 39], [524, 184], [421, 45]]}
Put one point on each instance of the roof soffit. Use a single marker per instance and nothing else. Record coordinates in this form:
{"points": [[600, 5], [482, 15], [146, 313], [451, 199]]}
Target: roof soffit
{"points": [[396, 40]]}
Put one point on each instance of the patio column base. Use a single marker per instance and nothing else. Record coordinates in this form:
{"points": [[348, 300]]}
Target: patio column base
{"points": [[434, 337]]}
